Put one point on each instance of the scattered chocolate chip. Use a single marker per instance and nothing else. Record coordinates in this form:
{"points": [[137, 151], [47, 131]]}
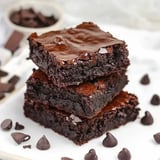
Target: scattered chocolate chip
{"points": [[18, 126], [43, 143], [14, 40], [6, 87], [124, 154], [27, 146], [6, 124], [145, 79], [2, 95], [91, 155], [30, 18], [20, 137], [157, 137], [147, 119], [14, 79], [66, 158], [110, 140], [3, 73], [155, 100]]}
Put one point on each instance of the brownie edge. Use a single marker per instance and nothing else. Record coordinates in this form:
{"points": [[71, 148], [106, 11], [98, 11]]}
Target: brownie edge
{"points": [[120, 111]]}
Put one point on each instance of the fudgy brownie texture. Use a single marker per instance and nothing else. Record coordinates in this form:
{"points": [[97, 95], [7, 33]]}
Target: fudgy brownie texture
{"points": [[80, 130], [84, 100], [77, 55]]}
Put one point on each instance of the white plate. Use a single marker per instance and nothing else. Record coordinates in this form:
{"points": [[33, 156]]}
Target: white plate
{"points": [[134, 136]]}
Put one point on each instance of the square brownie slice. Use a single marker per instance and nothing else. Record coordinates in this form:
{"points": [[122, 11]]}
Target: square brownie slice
{"points": [[121, 110], [77, 55], [84, 100]]}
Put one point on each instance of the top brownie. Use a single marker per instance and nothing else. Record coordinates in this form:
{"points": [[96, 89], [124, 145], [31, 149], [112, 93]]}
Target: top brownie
{"points": [[76, 55]]}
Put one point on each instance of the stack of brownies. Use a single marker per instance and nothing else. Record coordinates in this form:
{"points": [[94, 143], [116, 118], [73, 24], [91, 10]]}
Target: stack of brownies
{"points": [[77, 90]]}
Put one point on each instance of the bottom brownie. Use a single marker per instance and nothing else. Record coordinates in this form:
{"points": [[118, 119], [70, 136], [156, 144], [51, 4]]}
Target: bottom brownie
{"points": [[118, 112]]}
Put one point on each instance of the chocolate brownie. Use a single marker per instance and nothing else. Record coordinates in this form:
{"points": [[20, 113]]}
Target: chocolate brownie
{"points": [[84, 100], [77, 55], [121, 110]]}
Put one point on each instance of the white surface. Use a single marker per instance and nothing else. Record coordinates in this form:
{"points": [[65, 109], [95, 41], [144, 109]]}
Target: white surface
{"points": [[144, 50]]}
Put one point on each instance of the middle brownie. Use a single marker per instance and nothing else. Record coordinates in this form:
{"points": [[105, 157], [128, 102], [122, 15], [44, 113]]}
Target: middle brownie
{"points": [[84, 100]]}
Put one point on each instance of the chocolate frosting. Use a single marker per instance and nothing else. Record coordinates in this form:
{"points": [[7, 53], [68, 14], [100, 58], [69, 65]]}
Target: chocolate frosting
{"points": [[79, 42]]}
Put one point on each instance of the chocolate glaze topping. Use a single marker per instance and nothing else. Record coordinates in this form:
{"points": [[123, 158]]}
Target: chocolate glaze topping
{"points": [[76, 43]]}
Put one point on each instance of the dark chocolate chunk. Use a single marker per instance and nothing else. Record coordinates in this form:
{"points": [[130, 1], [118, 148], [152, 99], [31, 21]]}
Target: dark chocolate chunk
{"points": [[2, 95], [14, 79], [157, 137], [124, 154], [20, 137], [14, 40], [29, 18], [43, 143], [18, 126], [6, 124], [110, 140], [66, 158], [91, 155], [155, 100], [145, 79], [3, 73], [147, 119], [27, 13], [6, 87], [27, 146]]}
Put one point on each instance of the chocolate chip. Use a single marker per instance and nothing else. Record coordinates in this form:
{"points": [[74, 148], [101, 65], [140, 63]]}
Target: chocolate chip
{"points": [[18, 126], [3, 73], [6, 87], [157, 137], [155, 100], [6, 124], [14, 40], [27, 146], [110, 140], [145, 79], [14, 79], [43, 143], [66, 158], [147, 119], [124, 154], [91, 155], [20, 137]]}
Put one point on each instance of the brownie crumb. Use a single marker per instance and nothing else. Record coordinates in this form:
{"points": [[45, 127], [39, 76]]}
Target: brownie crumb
{"points": [[147, 119], [155, 100], [124, 154], [20, 137], [6, 124], [43, 143], [157, 137], [110, 140], [27, 146], [3, 73], [14, 79], [18, 126], [66, 158], [145, 80], [91, 155]]}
